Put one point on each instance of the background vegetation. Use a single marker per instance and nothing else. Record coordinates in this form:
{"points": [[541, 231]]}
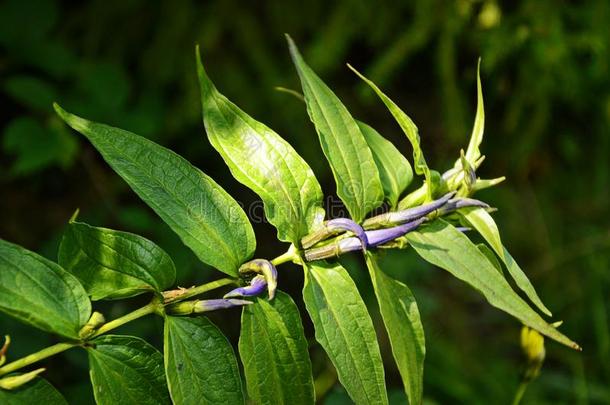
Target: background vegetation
{"points": [[545, 71]]}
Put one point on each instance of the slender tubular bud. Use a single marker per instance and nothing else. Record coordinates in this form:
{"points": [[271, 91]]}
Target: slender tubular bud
{"points": [[16, 381], [200, 306], [457, 203], [256, 287], [264, 267], [411, 214], [95, 321], [4, 349], [482, 184], [335, 227]]}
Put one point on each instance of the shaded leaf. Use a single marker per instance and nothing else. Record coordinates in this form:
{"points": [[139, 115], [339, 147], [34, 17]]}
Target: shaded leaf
{"points": [[37, 391], [351, 160], [200, 363], [126, 370], [113, 264], [444, 246], [207, 219], [260, 159], [38, 292], [345, 331], [402, 321]]}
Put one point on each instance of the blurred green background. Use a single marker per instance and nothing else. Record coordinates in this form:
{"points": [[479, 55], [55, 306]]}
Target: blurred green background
{"points": [[130, 63]]}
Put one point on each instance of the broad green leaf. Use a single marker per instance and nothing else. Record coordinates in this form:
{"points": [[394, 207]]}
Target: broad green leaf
{"points": [[345, 331], [200, 363], [273, 350], [394, 169], [205, 217], [473, 153], [444, 246], [485, 225], [261, 160], [402, 321], [351, 160], [126, 370], [38, 292], [491, 256], [113, 264], [37, 391], [408, 127]]}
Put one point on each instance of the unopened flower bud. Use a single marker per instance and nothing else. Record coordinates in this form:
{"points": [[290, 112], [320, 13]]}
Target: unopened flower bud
{"points": [[264, 267], [96, 320], [256, 287], [334, 227], [405, 216], [15, 381]]}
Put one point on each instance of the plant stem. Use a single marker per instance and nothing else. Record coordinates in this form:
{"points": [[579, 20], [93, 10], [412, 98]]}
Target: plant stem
{"points": [[520, 392], [138, 313], [289, 256], [35, 357], [200, 289]]}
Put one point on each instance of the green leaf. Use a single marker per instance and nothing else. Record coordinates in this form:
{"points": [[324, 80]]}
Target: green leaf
{"points": [[37, 391], [491, 256], [207, 219], [345, 331], [31, 91], [351, 160], [261, 160], [408, 127], [402, 321], [200, 363], [273, 350], [40, 293], [444, 246], [126, 370], [472, 152], [394, 169], [485, 225], [113, 264]]}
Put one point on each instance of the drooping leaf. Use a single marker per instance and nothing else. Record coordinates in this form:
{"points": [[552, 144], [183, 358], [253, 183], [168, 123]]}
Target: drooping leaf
{"points": [[273, 350], [200, 363], [113, 264], [38, 292], [351, 160], [345, 331], [126, 370], [444, 246], [260, 159], [207, 219], [473, 153], [408, 127], [394, 169], [37, 391], [402, 321], [485, 225]]}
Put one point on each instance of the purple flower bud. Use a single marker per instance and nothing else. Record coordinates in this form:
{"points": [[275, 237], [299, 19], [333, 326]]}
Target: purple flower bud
{"points": [[213, 305], [411, 214], [264, 267], [256, 287], [457, 203], [381, 236], [334, 227]]}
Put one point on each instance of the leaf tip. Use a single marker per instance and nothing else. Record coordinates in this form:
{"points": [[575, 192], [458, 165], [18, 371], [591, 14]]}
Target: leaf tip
{"points": [[74, 216]]}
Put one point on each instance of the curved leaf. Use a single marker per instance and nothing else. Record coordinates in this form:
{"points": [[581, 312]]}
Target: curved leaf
{"points": [[200, 363], [394, 169], [444, 246], [37, 391], [205, 217], [113, 264], [264, 162], [472, 152], [40, 293], [351, 160], [126, 370], [485, 225], [274, 353], [345, 331], [402, 321]]}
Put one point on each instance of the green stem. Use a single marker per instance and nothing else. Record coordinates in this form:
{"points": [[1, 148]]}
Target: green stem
{"points": [[35, 357], [290, 256], [191, 292], [520, 392], [138, 313]]}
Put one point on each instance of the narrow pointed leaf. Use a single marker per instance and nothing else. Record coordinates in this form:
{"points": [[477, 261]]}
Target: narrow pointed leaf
{"points": [[38, 292], [264, 162], [113, 264], [403, 323], [444, 246], [205, 217], [126, 370], [485, 225], [408, 127], [394, 169], [37, 391], [351, 160], [491, 256], [274, 352], [345, 331], [473, 153], [200, 363]]}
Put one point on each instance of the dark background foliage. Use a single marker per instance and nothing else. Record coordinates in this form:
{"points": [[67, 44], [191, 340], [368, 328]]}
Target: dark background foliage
{"points": [[545, 71]]}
